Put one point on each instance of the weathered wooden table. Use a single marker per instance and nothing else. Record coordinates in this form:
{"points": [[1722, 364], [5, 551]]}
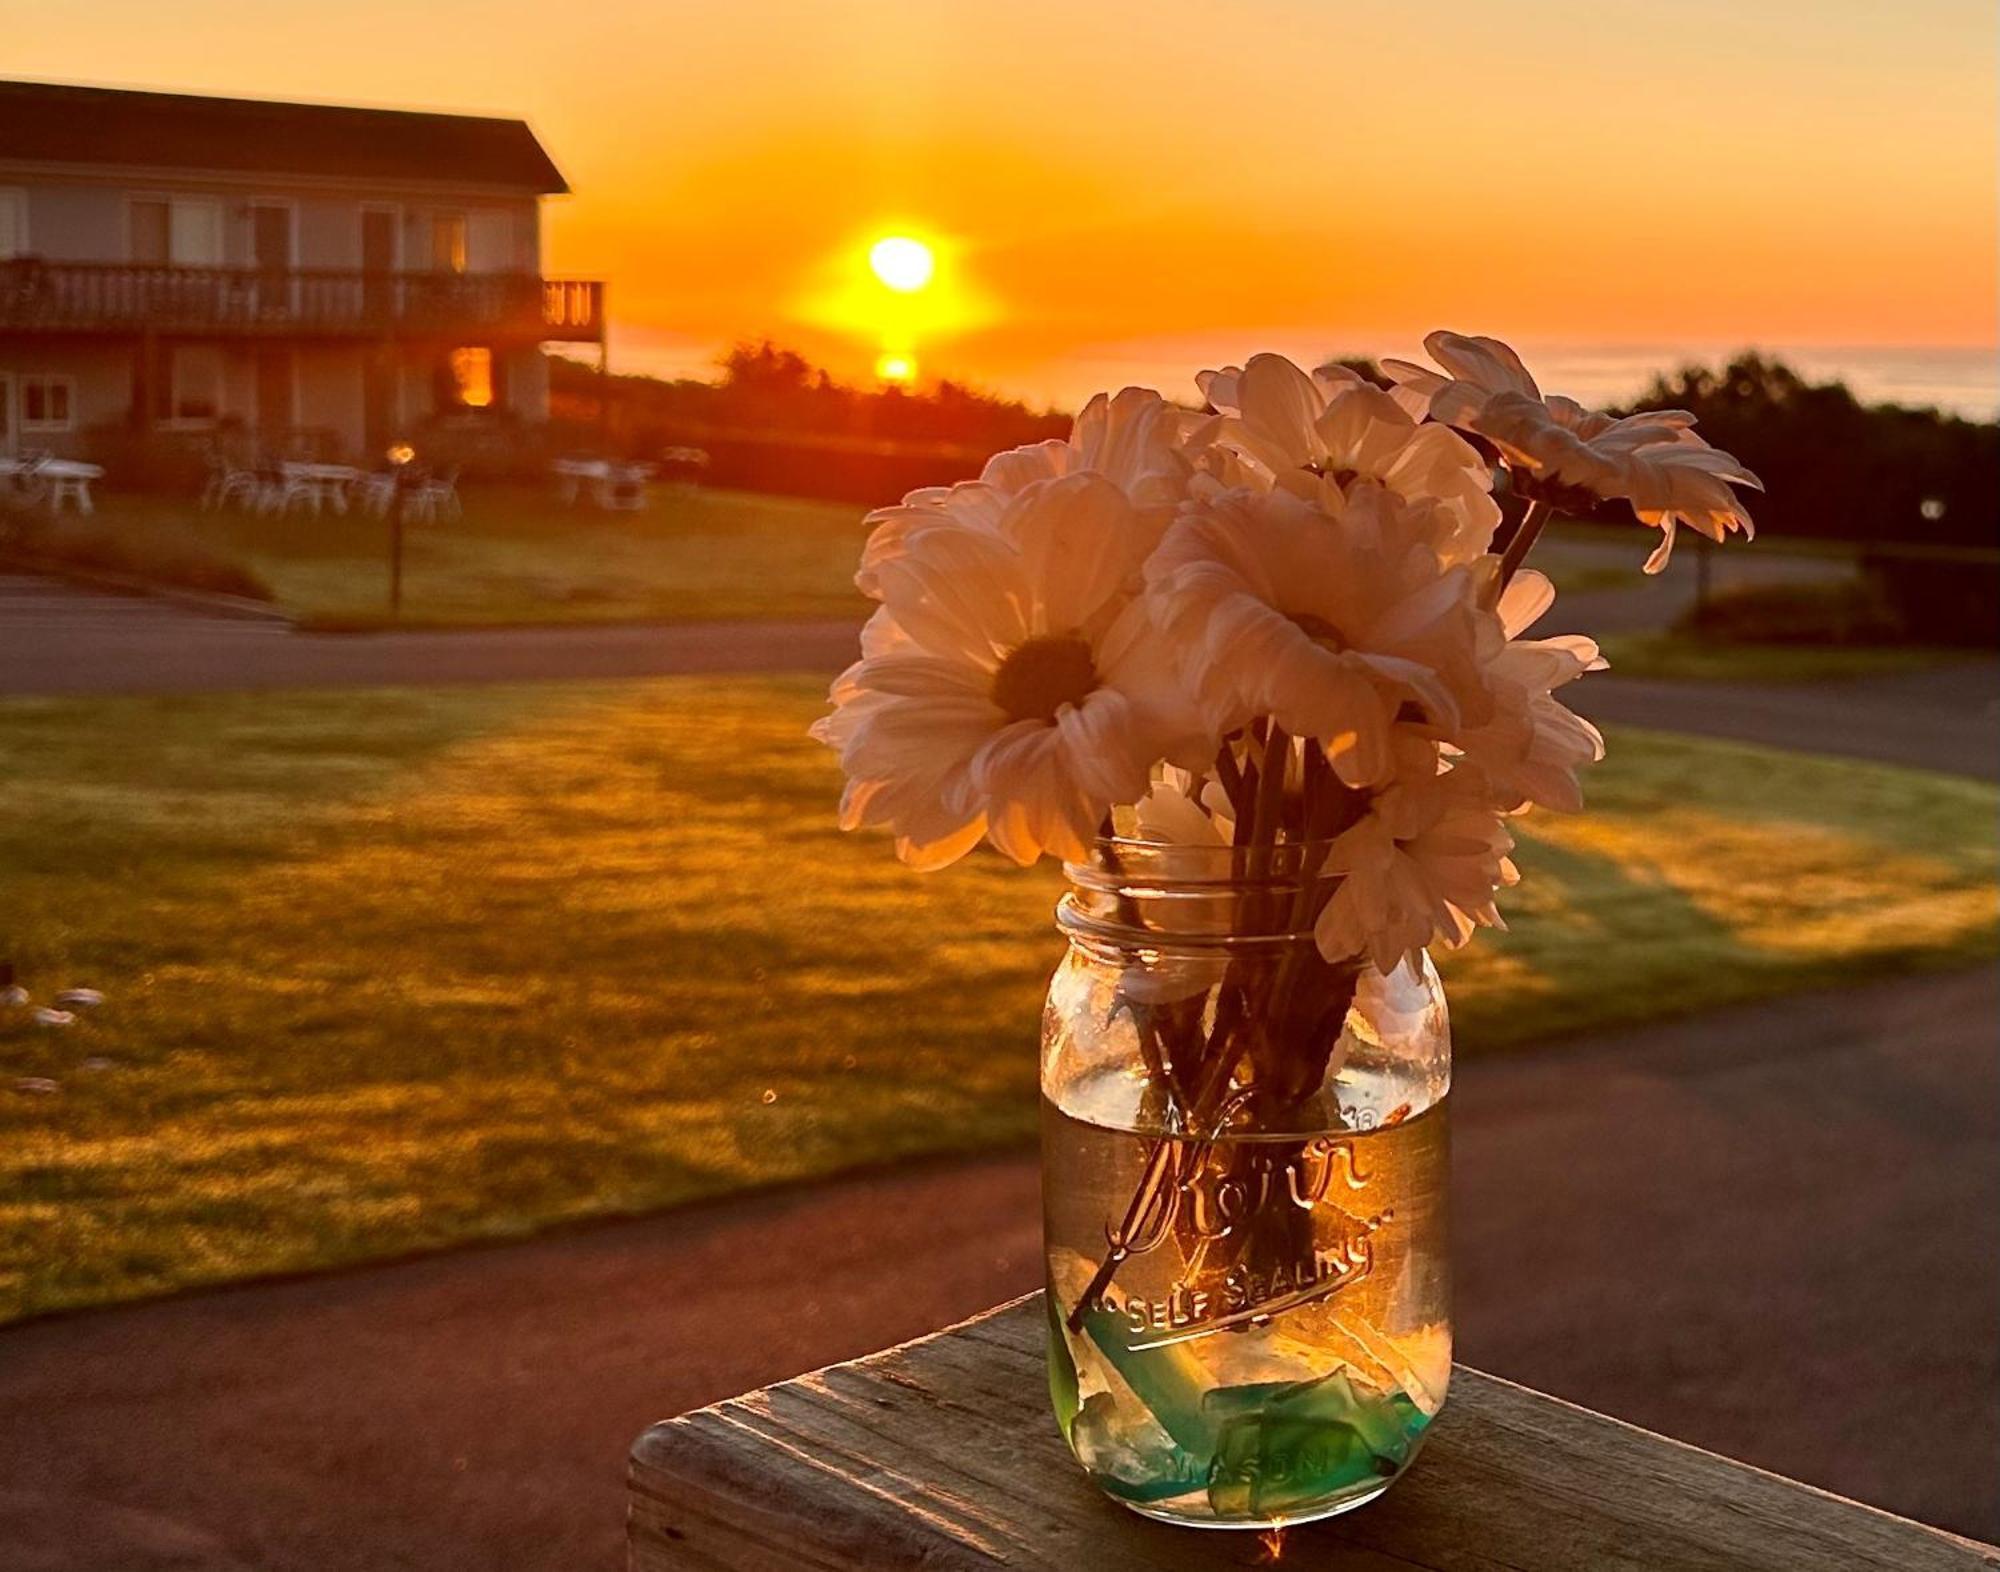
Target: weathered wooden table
{"points": [[942, 1454]]}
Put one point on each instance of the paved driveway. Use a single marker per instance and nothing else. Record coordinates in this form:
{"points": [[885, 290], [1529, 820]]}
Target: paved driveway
{"points": [[1947, 718], [1773, 1231], [56, 640]]}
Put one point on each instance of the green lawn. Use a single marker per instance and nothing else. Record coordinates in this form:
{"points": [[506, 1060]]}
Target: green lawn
{"points": [[519, 557], [388, 970], [1688, 655]]}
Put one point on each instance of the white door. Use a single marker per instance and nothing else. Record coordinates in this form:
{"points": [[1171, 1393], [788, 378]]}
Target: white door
{"points": [[195, 233]]}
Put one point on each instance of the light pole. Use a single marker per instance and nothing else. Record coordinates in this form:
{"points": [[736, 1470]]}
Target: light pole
{"points": [[399, 456]]}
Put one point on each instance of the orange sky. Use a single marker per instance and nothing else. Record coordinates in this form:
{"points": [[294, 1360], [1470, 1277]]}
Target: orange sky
{"points": [[1112, 181]]}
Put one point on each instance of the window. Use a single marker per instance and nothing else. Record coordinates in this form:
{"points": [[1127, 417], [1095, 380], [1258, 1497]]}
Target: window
{"points": [[176, 231], [470, 377], [13, 222], [191, 385], [448, 242], [489, 241], [48, 402]]}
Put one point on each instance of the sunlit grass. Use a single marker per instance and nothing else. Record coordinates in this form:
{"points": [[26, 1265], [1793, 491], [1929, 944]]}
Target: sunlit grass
{"points": [[518, 557], [392, 969]]}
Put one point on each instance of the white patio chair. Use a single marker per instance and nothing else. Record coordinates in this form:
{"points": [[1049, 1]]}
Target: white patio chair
{"points": [[282, 487], [573, 474], [374, 492], [24, 482], [436, 497], [70, 482], [227, 483]]}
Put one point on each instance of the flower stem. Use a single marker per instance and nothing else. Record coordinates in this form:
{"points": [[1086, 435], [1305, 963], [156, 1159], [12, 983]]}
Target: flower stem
{"points": [[1525, 535], [1231, 775], [1244, 1027]]}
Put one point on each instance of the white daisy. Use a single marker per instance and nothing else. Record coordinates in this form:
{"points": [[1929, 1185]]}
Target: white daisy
{"points": [[1422, 866], [1133, 439], [1009, 685], [1531, 748], [1568, 455], [1330, 625], [1317, 435]]}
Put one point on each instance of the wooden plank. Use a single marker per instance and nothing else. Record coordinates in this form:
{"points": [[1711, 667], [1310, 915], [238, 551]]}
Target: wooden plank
{"points": [[943, 1455]]}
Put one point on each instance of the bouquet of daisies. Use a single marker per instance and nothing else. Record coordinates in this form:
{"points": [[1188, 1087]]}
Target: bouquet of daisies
{"points": [[1281, 618]]}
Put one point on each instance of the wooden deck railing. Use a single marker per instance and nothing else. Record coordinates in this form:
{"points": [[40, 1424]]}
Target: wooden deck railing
{"points": [[942, 1455], [109, 297]]}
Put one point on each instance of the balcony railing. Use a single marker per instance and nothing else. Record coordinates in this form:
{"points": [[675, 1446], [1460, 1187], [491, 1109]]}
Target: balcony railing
{"points": [[102, 297]]}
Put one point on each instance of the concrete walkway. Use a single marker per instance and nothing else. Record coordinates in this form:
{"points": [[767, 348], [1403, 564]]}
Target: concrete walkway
{"points": [[1773, 1231], [59, 640], [56, 640], [1946, 718]]}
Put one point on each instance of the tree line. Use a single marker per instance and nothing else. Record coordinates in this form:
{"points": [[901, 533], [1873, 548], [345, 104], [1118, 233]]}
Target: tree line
{"points": [[1833, 466]]}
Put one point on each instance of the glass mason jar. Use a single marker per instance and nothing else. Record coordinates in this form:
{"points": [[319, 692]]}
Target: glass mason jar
{"points": [[1244, 1153]]}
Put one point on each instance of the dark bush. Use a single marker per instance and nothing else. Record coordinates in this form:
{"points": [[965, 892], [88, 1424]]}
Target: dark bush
{"points": [[1848, 612], [1942, 597], [153, 556], [166, 463], [1900, 598]]}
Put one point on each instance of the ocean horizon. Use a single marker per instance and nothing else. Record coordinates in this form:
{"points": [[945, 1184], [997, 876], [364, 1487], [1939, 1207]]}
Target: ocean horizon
{"points": [[1960, 379], [1963, 380]]}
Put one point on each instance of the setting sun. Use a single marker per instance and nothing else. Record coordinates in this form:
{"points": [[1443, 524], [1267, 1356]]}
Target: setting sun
{"points": [[896, 368], [903, 264]]}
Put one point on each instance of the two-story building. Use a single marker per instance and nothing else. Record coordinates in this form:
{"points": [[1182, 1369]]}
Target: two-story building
{"points": [[180, 264]]}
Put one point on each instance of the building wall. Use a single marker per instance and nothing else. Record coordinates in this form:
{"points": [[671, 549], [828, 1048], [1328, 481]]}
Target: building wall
{"points": [[83, 217], [330, 393], [328, 381], [527, 382], [101, 389]]}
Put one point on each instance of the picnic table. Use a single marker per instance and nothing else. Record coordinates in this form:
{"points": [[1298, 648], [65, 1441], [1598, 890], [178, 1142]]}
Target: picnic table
{"points": [[614, 487], [942, 1454], [318, 486], [65, 480]]}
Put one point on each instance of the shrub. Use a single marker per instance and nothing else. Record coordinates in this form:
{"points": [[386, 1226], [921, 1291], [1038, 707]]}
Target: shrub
{"points": [[169, 463], [1846, 612], [1942, 597], [1901, 597], [163, 557]]}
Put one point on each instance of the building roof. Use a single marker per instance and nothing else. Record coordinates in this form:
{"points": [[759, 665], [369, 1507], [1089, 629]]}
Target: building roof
{"points": [[47, 122]]}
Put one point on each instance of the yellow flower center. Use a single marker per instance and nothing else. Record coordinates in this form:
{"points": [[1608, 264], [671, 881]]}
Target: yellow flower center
{"points": [[1040, 677]]}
